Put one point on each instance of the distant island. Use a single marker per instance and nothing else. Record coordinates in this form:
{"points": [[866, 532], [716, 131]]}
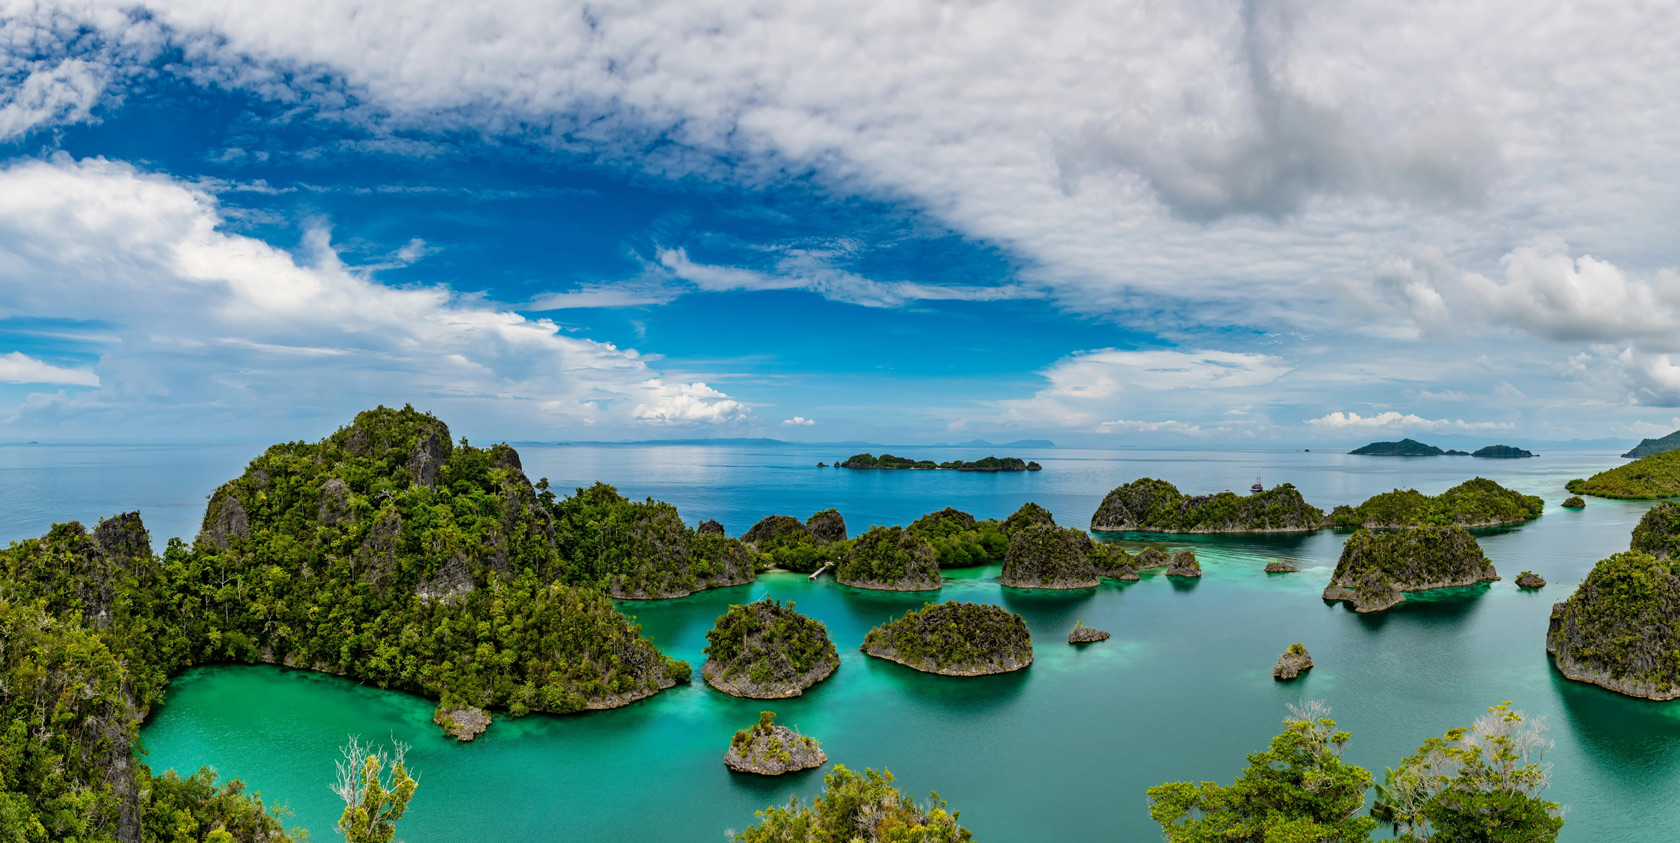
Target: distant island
{"points": [[1404, 448], [1501, 452], [1646, 478], [1647, 447], [1474, 503], [888, 461]]}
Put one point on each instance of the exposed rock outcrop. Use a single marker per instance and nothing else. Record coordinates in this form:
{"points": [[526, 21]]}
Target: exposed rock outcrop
{"points": [[1184, 564], [1152, 557], [1621, 628], [709, 527], [1049, 557], [1083, 634], [1281, 566], [1292, 662], [462, 724], [775, 529], [1574, 502], [225, 521], [770, 749], [1529, 579], [766, 650], [827, 526], [954, 639], [1376, 569]]}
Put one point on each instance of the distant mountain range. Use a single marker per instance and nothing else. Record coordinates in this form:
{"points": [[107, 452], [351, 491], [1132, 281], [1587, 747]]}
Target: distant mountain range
{"points": [[762, 442]]}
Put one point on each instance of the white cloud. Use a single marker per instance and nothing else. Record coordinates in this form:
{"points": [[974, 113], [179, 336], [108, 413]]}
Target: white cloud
{"points": [[798, 421], [1391, 420], [1169, 426], [687, 404], [1087, 387], [18, 367], [1076, 138], [209, 323], [804, 269]]}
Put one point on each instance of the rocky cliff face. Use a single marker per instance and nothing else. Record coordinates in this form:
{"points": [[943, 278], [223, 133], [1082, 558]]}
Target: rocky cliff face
{"points": [[1156, 506], [773, 530], [1184, 564], [1049, 557], [1292, 663], [1376, 569], [827, 526], [1029, 515], [1621, 629]]}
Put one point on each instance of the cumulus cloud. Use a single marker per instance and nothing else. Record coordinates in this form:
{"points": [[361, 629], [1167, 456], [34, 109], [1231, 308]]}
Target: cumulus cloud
{"points": [[18, 367], [688, 403], [984, 117], [798, 421], [1088, 387], [206, 322], [1169, 426], [1391, 420]]}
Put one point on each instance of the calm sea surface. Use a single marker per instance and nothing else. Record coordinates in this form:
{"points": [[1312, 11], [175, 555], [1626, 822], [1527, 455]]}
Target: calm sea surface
{"points": [[1061, 751]]}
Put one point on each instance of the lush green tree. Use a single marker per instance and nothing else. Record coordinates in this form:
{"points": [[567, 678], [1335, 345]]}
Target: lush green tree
{"points": [[1479, 784], [376, 788], [1299, 790], [857, 809]]}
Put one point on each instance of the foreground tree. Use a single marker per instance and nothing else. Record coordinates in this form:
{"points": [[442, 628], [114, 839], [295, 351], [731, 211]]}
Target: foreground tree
{"points": [[1480, 784], [1298, 791], [376, 788], [857, 809]]}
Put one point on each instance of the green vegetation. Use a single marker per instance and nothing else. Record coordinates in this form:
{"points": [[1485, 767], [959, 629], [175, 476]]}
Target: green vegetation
{"points": [[376, 789], [1646, 478], [1501, 452], [1647, 447], [384, 553], [783, 542], [857, 809], [1574, 502], [1029, 515], [888, 461], [771, 749], [1658, 532], [1474, 785], [767, 650], [1404, 448], [958, 639], [1156, 506], [1474, 503], [1481, 783], [958, 540], [1621, 627], [890, 559], [1377, 568], [1050, 557]]}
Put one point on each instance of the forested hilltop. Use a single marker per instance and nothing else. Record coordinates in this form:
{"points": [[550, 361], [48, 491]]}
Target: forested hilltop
{"points": [[386, 553], [1646, 478], [888, 461], [1474, 503], [1156, 506]]}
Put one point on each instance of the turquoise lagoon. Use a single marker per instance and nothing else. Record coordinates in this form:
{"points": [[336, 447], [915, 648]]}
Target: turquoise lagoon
{"points": [[1060, 751]]}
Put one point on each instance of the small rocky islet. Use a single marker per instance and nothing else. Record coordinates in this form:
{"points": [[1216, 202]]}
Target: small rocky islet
{"points": [[1376, 569], [954, 639], [768, 748], [1282, 566], [1292, 663], [1051, 557], [1082, 634], [766, 650], [1148, 505]]}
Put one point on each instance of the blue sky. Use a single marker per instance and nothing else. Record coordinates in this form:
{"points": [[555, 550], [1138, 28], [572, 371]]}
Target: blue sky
{"points": [[1106, 224]]}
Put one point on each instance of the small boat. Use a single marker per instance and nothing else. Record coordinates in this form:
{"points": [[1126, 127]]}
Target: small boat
{"points": [[1257, 488]]}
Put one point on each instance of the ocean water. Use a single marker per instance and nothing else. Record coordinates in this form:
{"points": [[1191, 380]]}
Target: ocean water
{"points": [[1063, 750]]}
